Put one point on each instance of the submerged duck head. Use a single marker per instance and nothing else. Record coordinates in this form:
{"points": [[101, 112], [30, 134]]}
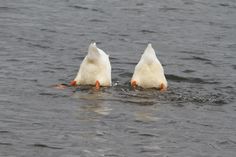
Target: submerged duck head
{"points": [[95, 69], [149, 72]]}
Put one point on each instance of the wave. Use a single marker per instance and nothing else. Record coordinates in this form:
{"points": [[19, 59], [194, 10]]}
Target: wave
{"points": [[176, 78]]}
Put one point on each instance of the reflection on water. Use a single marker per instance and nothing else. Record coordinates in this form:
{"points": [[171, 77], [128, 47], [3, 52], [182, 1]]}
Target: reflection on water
{"points": [[94, 104], [145, 116], [98, 103]]}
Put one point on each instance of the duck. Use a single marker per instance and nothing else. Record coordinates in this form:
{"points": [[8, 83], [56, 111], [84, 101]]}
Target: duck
{"points": [[95, 69], [149, 72]]}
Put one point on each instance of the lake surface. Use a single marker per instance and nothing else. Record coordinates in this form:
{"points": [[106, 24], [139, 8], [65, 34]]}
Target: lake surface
{"points": [[43, 42]]}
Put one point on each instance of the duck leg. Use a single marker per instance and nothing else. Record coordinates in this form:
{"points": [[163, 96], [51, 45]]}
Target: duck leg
{"points": [[97, 85], [133, 84], [162, 87], [73, 83]]}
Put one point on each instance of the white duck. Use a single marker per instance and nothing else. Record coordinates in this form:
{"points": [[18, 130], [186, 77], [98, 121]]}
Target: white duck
{"points": [[149, 72], [95, 69]]}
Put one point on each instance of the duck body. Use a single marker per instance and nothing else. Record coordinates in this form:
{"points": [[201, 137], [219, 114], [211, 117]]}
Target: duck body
{"points": [[149, 72], [95, 69]]}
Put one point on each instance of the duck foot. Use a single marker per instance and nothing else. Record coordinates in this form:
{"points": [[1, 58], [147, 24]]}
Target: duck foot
{"points": [[162, 87], [133, 84], [73, 83], [97, 85]]}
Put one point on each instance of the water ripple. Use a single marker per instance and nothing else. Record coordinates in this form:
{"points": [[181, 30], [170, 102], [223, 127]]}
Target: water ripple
{"points": [[176, 78], [45, 146], [43, 42]]}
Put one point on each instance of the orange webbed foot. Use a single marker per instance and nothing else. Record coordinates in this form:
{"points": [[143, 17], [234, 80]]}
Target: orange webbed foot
{"points": [[133, 84], [163, 87], [97, 85], [73, 83]]}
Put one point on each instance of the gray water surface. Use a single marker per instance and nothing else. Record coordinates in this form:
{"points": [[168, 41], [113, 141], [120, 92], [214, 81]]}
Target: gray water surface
{"points": [[42, 43]]}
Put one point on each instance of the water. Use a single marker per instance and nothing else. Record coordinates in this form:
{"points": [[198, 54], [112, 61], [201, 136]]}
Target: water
{"points": [[42, 43]]}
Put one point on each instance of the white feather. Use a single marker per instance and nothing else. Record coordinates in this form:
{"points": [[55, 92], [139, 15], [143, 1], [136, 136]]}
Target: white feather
{"points": [[149, 72], [95, 67]]}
